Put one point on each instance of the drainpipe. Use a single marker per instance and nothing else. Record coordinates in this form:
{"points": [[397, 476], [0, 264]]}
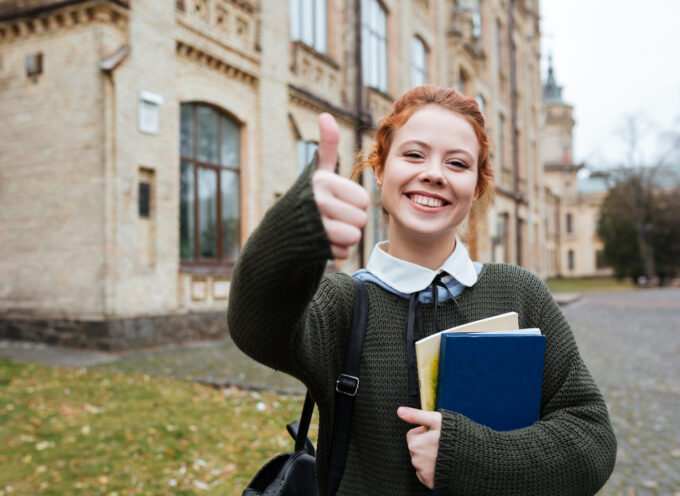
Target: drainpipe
{"points": [[360, 125], [515, 130]]}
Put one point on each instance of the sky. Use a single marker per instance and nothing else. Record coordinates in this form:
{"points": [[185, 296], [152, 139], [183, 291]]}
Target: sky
{"points": [[615, 58]]}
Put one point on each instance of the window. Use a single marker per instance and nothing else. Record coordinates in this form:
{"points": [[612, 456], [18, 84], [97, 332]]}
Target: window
{"points": [[209, 185], [570, 261], [477, 20], [144, 199], [308, 23], [418, 62], [570, 223], [499, 45], [374, 44], [480, 102], [305, 152]]}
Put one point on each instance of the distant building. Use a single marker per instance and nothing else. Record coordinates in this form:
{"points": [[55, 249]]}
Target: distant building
{"points": [[142, 141], [572, 248]]}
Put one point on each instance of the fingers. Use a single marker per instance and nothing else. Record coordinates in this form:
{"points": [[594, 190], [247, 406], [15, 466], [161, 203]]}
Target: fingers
{"points": [[340, 233], [336, 209], [423, 447], [431, 420], [341, 252], [328, 142], [341, 187]]}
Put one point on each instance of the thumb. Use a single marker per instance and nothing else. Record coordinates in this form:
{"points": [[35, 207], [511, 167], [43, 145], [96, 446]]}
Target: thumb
{"points": [[419, 417], [329, 136]]}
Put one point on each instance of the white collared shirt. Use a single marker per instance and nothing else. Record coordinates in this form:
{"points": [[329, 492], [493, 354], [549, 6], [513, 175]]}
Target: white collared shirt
{"points": [[404, 278]]}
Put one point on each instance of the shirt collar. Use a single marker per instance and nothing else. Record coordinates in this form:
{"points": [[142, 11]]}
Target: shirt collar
{"points": [[407, 277]]}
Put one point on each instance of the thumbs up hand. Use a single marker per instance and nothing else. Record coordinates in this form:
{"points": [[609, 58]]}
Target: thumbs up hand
{"points": [[341, 202]]}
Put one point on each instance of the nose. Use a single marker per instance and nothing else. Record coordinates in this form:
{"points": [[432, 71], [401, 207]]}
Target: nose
{"points": [[432, 173]]}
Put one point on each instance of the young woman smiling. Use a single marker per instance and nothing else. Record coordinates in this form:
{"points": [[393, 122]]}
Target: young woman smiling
{"points": [[430, 160]]}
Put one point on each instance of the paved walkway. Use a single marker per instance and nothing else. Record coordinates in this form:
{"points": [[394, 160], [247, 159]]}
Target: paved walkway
{"points": [[630, 341]]}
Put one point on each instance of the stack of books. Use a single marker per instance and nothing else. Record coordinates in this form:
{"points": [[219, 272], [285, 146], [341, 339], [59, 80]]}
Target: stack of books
{"points": [[488, 370]]}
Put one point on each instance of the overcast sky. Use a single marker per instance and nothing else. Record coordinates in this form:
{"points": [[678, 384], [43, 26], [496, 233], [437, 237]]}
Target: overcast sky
{"points": [[614, 58]]}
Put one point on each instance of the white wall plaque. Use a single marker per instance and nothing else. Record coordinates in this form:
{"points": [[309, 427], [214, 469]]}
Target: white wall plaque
{"points": [[148, 112]]}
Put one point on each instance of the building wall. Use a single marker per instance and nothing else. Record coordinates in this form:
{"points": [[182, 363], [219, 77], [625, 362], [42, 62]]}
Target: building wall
{"points": [[74, 244], [53, 249], [571, 243]]}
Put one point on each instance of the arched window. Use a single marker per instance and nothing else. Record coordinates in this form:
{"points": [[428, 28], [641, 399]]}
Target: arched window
{"points": [[209, 211]]}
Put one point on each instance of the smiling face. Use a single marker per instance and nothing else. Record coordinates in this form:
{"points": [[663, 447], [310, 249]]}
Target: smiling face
{"points": [[429, 177]]}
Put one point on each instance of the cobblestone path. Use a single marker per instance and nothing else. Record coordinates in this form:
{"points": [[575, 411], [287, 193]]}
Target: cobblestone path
{"points": [[631, 344]]}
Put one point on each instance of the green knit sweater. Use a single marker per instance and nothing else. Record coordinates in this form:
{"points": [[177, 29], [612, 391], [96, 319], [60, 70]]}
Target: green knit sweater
{"points": [[285, 313]]}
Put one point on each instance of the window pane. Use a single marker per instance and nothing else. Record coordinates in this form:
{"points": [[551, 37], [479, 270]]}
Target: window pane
{"points": [[207, 134], [381, 26], [186, 130], [374, 60], [231, 226], [320, 25], [186, 212], [229, 148], [365, 55], [307, 22], [294, 19], [207, 212], [382, 68], [480, 102]]}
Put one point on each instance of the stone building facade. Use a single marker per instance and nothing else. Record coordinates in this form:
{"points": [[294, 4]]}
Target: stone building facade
{"points": [[572, 247], [143, 141]]}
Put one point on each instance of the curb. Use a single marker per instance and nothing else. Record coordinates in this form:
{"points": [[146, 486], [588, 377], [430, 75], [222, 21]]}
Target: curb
{"points": [[564, 299]]}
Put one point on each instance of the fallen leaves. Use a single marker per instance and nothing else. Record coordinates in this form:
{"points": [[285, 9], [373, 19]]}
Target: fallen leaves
{"points": [[123, 434]]}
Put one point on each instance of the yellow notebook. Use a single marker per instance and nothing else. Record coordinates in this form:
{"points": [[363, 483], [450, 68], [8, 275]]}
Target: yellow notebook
{"points": [[427, 352]]}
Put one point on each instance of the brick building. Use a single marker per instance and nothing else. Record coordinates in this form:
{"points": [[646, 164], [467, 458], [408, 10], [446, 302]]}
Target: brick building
{"points": [[143, 141]]}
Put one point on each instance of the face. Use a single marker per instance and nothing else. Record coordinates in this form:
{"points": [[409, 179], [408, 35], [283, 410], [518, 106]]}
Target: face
{"points": [[429, 178]]}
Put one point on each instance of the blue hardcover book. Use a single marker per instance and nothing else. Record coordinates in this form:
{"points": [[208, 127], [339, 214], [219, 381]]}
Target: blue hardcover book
{"points": [[493, 379]]}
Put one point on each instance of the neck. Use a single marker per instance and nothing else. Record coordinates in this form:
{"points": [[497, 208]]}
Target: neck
{"points": [[428, 252]]}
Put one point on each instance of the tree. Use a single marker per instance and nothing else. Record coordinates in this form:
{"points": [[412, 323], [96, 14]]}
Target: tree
{"points": [[638, 218]]}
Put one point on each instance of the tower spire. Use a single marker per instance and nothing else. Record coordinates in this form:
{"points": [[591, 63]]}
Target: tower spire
{"points": [[552, 93]]}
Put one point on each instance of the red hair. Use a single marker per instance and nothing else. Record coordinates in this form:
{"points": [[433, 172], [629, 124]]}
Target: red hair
{"points": [[449, 99]]}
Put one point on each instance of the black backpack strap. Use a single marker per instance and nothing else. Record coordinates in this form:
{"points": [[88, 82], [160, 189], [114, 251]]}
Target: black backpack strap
{"points": [[346, 388], [298, 430]]}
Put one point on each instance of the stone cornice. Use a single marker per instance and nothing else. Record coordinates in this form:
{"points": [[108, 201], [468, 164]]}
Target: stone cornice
{"points": [[314, 103], [214, 62], [63, 15], [15, 9]]}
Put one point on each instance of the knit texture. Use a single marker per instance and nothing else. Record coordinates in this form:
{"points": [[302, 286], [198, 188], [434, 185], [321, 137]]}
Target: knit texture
{"points": [[284, 313]]}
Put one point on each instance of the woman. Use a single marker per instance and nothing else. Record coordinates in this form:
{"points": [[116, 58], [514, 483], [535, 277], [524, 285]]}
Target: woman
{"points": [[431, 161]]}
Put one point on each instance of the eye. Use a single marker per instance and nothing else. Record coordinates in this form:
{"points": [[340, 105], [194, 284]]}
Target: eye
{"points": [[413, 154], [458, 164]]}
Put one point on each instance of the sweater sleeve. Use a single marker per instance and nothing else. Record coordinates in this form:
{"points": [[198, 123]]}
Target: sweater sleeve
{"points": [[570, 451], [275, 296]]}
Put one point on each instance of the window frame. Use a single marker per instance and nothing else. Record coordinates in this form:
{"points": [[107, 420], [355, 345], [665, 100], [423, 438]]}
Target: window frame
{"points": [[199, 263]]}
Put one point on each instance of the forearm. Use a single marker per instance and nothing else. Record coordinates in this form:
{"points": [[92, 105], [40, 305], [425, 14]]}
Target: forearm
{"points": [[276, 276], [570, 452]]}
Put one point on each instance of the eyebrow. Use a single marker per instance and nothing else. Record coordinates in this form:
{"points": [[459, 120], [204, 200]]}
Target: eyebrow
{"points": [[428, 147]]}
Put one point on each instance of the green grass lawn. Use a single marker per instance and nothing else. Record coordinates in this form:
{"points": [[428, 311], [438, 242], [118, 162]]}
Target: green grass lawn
{"points": [[589, 285], [92, 432]]}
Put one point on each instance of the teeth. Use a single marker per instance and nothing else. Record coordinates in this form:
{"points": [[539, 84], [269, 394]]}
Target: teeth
{"points": [[427, 201]]}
